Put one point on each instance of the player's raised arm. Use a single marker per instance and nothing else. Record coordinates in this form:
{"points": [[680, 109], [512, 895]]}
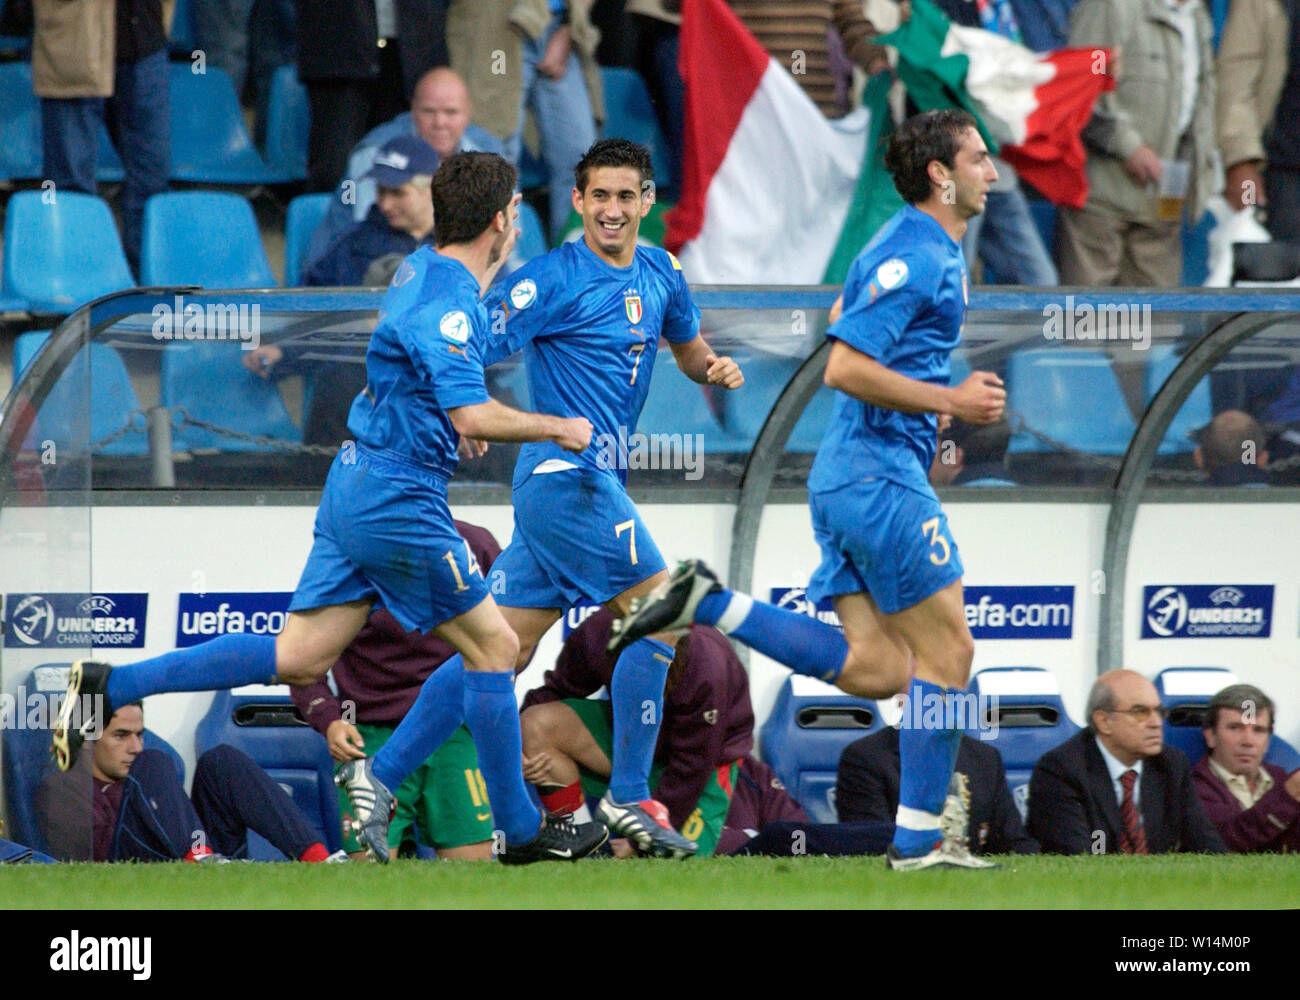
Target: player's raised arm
{"points": [[493, 421], [978, 400]]}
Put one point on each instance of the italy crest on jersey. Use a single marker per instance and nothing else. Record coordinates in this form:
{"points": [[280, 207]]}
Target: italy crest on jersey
{"points": [[632, 303]]}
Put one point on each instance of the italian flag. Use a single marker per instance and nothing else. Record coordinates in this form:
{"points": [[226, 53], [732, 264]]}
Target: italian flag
{"points": [[774, 193]]}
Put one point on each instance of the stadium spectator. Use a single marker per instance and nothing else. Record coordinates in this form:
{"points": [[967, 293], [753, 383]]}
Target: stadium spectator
{"points": [[1114, 787], [378, 678], [360, 61], [1230, 449], [1044, 24], [439, 114], [1254, 806], [100, 62], [797, 37], [971, 454], [1258, 111], [562, 89], [249, 39], [655, 26], [1004, 235], [124, 803], [707, 729], [1161, 112], [866, 790]]}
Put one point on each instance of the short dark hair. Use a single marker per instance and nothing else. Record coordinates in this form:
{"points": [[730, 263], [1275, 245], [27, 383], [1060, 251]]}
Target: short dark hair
{"points": [[1223, 439], [980, 442], [468, 191], [614, 153], [1239, 698], [931, 135]]}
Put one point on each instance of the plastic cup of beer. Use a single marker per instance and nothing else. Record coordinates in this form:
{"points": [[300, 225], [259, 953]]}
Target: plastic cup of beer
{"points": [[1174, 175]]}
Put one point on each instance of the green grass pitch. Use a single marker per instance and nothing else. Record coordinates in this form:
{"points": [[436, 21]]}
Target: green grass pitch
{"points": [[1162, 883]]}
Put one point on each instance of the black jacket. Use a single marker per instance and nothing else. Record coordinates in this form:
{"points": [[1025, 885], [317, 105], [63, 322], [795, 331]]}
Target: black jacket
{"points": [[866, 788], [337, 39], [1073, 809]]}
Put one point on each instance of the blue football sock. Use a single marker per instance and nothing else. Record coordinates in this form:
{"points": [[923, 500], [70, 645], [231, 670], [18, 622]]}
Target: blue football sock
{"points": [[804, 644], [438, 711], [492, 715], [227, 661], [636, 694], [927, 751]]}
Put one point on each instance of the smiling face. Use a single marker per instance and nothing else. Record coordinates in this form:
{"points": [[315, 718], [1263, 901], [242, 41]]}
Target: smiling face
{"points": [[612, 207], [1239, 746]]}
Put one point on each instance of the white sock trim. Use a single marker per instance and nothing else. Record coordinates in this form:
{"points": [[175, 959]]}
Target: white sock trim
{"points": [[738, 609], [916, 819]]}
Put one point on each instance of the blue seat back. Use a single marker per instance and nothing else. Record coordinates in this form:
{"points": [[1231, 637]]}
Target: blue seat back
{"points": [[287, 124], [95, 375], [675, 405], [70, 251], [269, 729], [1196, 409], [765, 376], [305, 213], [20, 124], [810, 725], [1031, 719], [1044, 387], [208, 379], [210, 143], [27, 759], [630, 115], [1185, 693], [207, 238]]}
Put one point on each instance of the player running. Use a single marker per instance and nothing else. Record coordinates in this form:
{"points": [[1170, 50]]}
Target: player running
{"points": [[383, 531], [888, 559], [588, 317]]}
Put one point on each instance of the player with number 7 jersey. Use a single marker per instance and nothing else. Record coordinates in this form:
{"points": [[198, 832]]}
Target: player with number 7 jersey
{"points": [[588, 317]]}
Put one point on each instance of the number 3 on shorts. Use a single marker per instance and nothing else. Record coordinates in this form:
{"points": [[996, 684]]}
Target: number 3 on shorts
{"points": [[931, 530]]}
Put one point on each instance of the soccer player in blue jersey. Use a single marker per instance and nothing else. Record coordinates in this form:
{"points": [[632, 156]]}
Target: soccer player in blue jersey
{"points": [[888, 560], [383, 530], [588, 317]]}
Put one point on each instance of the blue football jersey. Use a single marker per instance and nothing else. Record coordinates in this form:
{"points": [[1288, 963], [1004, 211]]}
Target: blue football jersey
{"points": [[904, 306], [425, 358], [589, 332]]}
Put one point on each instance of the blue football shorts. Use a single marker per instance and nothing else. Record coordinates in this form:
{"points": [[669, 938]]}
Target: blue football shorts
{"points": [[578, 538], [884, 539], [383, 531]]}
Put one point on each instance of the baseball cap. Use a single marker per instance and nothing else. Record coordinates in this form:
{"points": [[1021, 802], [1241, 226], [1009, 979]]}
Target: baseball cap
{"points": [[400, 159]]}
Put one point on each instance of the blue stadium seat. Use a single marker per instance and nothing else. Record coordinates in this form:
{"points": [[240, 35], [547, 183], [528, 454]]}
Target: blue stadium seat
{"points": [[532, 234], [208, 379], [27, 759], [630, 115], [207, 238], [20, 124], [675, 405], [1031, 719], [1195, 412], [71, 253], [269, 729], [1044, 387], [810, 725], [765, 376], [210, 143], [107, 386], [287, 123], [305, 213]]}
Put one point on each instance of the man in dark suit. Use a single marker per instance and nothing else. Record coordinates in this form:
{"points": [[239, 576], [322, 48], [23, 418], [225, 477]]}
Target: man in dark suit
{"points": [[866, 789], [1114, 787]]}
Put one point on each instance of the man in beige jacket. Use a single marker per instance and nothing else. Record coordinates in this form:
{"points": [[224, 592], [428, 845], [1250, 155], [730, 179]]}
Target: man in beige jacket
{"points": [[97, 61], [1161, 111], [1258, 110]]}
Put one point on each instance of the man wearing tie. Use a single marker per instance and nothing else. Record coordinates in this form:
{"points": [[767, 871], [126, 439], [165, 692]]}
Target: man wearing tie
{"points": [[1114, 788]]}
